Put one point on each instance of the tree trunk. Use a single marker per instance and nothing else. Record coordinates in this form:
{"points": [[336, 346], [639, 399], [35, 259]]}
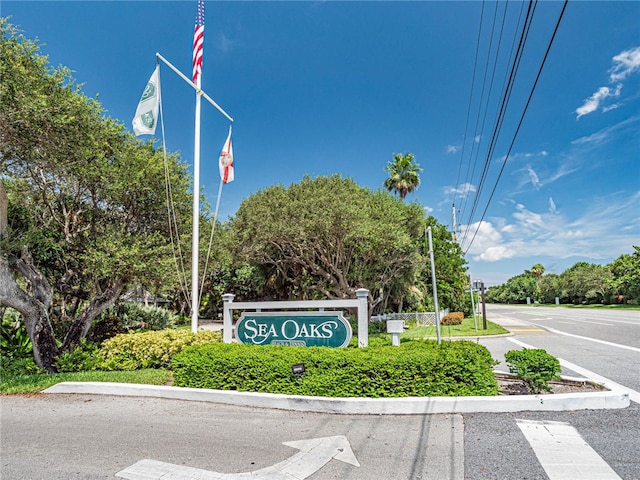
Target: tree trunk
{"points": [[81, 325], [36, 316]]}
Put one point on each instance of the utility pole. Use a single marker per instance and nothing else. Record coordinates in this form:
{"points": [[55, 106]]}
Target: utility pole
{"points": [[455, 226], [435, 289], [484, 307], [480, 284], [473, 306]]}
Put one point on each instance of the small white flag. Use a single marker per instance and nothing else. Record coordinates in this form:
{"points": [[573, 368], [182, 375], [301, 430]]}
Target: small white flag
{"points": [[226, 160], [146, 118]]}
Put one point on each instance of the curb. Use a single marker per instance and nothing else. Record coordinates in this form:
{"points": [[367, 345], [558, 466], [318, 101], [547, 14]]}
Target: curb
{"points": [[612, 399]]}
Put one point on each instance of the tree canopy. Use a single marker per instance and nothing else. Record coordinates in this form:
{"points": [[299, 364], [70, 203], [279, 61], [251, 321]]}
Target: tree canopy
{"points": [[325, 237], [582, 283], [87, 211]]}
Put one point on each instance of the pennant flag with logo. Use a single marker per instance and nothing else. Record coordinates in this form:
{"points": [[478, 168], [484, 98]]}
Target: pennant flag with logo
{"points": [[226, 161], [146, 117]]}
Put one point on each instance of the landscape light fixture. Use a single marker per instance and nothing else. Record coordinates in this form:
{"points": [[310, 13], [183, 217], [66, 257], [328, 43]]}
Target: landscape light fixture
{"points": [[298, 369]]}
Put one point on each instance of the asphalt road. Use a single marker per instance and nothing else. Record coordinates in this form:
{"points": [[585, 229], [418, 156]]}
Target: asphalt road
{"points": [[94, 437], [606, 342]]}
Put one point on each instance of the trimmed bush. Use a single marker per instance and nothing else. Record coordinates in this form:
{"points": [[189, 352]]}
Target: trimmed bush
{"points": [[133, 351], [453, 318], [535, 366], [416, 368]]}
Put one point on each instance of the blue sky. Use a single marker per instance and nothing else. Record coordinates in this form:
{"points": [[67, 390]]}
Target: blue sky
{"points": [[338, 87]]}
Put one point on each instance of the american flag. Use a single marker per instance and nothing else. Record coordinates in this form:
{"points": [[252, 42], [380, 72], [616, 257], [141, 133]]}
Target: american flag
{"points": [[198, 42]]}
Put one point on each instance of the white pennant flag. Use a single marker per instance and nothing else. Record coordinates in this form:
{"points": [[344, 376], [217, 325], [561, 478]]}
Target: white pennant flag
{"points": [[226, 160], [146, 118]]}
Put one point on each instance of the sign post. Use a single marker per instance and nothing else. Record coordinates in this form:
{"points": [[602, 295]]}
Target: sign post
{"points": [[317, 324]]}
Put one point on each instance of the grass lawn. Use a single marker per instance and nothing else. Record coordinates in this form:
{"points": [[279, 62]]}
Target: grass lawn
{"points": [[467, 329], [36, 383]]}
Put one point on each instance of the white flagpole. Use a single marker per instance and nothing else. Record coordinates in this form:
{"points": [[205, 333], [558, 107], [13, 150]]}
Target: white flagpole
{"points": [[195, 297]]}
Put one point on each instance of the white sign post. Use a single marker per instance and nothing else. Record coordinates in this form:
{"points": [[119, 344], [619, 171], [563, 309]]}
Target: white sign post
{"points": [[360, 302]]}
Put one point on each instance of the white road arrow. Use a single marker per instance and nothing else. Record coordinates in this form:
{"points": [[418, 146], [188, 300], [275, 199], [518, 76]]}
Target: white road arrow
{"points": [[313, 455]]}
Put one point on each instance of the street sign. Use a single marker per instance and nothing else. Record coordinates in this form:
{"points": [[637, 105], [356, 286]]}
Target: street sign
{"points": [[311, 329]]}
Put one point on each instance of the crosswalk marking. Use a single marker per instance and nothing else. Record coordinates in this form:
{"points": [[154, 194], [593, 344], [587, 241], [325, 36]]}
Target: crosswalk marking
{"points": [[563, 453]]}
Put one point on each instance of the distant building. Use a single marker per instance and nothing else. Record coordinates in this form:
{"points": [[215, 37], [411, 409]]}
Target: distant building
{"points": [[140, 295]]}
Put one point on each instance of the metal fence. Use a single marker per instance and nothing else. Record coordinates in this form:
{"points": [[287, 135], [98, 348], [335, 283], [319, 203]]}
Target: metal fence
{"points": [[421, 318]]}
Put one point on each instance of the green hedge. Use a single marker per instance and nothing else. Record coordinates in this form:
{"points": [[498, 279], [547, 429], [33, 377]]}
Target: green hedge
{"points": [[416, 368], [133, 351]]}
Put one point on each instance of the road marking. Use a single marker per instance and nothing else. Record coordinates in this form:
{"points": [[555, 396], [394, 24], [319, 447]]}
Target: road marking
{"points": [[563, 453], [597, 323], [596, 340], [313, 455], [610, 384]]}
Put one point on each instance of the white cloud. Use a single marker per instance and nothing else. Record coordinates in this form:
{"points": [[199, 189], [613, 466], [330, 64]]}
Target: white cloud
{"points": [[528, 219], [463, 190], [477, 139], [534, 177], [494, 254], [606, 227], [427, 210], [486, 238], [625, 63], [610, 107], [224, 43], [607, 133], [593, 102], [452, 148]]}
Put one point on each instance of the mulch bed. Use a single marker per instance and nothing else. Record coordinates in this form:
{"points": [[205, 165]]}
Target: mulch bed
{"points": [[510, 385]]}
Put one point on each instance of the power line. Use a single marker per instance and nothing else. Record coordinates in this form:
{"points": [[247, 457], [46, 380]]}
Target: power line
{"points": [[473, 82], [506, 158], [486, 108], [502, 110]]}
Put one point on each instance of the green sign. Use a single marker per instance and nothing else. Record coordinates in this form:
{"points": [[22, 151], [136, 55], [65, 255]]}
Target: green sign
{"points": [[310, 329]]}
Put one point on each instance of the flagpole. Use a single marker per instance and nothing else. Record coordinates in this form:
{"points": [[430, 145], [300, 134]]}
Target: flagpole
{"points": [[195, 297]]}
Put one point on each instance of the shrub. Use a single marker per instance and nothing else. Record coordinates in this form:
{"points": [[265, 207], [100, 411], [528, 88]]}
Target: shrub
{"points": [[127, 316], [82, 358], [535, 366], [13, 367], [416, 368], [14, 339], [133, 351], [377, 327], [453, 318]]}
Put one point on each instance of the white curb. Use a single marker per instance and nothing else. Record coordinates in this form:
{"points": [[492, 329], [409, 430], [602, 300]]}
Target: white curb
{"points": [[610, 399]]}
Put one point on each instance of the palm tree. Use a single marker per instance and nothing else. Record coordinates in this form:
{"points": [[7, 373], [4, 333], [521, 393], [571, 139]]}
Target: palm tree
{"points": [[404, 174], [537, 270]]}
